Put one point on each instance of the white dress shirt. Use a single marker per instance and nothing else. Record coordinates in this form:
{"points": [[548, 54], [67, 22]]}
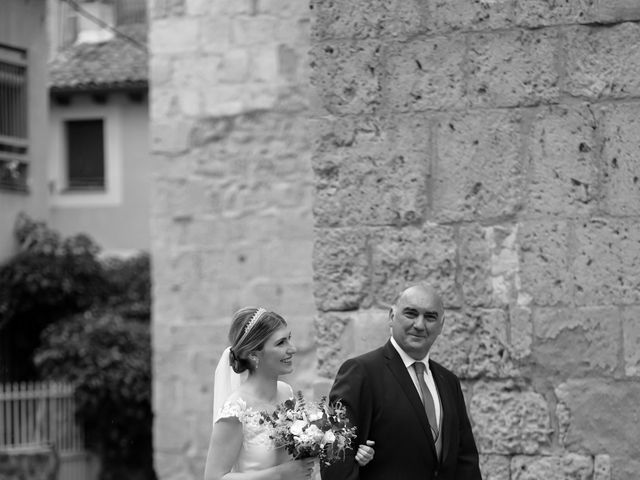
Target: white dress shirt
{"points": [[428, 378]]}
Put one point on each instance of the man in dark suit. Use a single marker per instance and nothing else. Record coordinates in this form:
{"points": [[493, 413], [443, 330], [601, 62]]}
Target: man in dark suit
{"points": [[416, 415]]}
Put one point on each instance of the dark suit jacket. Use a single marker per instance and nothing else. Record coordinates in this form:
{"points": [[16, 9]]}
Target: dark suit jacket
{"points": [[383, 403]]}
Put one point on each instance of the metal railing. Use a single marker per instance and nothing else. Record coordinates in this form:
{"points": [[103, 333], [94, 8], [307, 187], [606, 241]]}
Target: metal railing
{"points": [[36, 414], [39, 413]]}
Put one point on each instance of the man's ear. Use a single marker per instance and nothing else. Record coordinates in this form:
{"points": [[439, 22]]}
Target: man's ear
{"points": [[392, 313]]}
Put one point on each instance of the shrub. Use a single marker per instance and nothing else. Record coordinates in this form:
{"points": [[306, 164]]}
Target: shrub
{"points": [[129, 286], [108, 359], [49, 279], [75, 317]]}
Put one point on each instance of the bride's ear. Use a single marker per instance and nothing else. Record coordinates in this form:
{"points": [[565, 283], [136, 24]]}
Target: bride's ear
{"points": [[254, 360]]}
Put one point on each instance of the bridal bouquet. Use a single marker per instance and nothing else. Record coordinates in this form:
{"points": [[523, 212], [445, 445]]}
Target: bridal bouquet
{"points": [[316, 430]]}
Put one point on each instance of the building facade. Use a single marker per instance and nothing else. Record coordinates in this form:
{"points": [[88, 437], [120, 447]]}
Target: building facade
{"points": [[99, 167], [23, 107], [489, 148]]}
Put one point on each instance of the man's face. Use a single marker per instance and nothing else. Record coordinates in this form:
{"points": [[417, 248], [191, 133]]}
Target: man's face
{"points": [[416, 320]]}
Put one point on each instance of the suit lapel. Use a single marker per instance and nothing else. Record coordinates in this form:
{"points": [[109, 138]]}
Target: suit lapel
{"points": [[399, 371]]}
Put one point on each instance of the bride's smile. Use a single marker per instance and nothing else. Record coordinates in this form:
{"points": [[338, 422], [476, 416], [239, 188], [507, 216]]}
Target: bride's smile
{"points": [[276, 357]]}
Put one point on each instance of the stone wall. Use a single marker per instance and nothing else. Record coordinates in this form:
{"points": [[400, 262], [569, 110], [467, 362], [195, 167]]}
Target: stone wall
{"points": [[490, 147], [29, 463], [232, 199]]}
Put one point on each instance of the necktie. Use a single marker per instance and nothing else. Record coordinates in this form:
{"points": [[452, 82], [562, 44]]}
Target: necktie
{"points": [[427, 399]]}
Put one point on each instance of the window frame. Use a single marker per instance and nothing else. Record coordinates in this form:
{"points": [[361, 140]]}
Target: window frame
{"points": [[111, 194], [14, 150], [69, 158]]}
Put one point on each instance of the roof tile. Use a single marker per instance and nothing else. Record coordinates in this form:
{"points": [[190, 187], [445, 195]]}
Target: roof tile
{"points": [[119, 63]]}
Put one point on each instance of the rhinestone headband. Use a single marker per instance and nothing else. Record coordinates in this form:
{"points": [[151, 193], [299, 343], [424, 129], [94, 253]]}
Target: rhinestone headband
{"points": [[252, 323]]}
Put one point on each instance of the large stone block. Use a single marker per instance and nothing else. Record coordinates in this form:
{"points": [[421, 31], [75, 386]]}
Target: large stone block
{"points": [[490, 266], [602, 467], [170, 434], [511, 68], [579, 342], [631, 340], [197, 383], [521, 331], [160, 69], [479, 173], [283, 8], [544, 262], [510, 419], [234, 66], [368, 18], [452, 15], [334, 335], [556, 467], [606, 264], [216, 36], [255, 149], [202, 232], [253, 29], [474, 344], [341, 335], [194, 73], [265, 66], [494, 467], [359, 185], [371, 329], [401, 257], [564, 174], [174, 35], [347, 75], [621, 135], [182, 198], [426, 74], [602, 419], [341, 267], [231, 8], [170, 137], [617, 10], [287, 260], [167, 395], [475, 254], [602, 62], [171, 465], [540, 13]]}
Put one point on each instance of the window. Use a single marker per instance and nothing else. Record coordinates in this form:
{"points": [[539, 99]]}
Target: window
{"points": [[13, 119], [130, 12], [85, 154], [118, 13]]}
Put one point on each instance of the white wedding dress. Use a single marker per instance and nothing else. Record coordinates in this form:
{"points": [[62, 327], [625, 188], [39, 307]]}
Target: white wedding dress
{"points": [[258, 450]]}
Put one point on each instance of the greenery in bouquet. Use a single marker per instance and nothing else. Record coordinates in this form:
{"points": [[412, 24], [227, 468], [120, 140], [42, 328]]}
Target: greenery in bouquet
{"points": [[311, 430]]}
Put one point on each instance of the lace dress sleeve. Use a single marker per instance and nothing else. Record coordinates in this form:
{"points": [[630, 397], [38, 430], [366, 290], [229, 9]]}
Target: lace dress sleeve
{"points": [[234, 408]]}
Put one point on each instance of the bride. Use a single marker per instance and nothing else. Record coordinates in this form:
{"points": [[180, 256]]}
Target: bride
{"points": [[246, 384]]}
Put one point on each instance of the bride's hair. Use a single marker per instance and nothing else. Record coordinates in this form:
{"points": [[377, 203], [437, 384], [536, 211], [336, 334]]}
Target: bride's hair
{"points": [[244, 342]]}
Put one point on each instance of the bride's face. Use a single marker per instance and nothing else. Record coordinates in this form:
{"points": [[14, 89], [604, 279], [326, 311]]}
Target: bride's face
{"points": [[276, 357]]}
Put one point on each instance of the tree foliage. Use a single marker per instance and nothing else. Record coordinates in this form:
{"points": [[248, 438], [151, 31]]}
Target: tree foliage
{"points": [[108, 358], [48, 279], [74, 316]]}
